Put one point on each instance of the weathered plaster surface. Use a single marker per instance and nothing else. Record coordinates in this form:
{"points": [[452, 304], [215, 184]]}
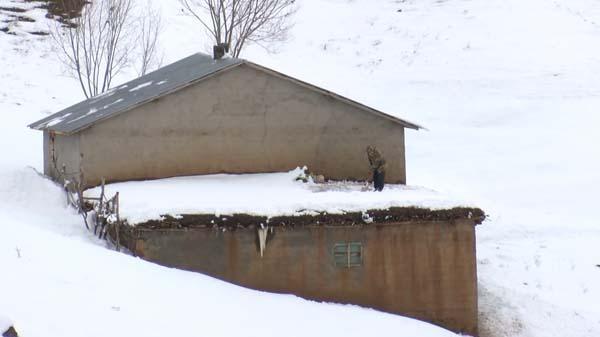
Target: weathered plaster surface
{"points": [[66, 151], [240, 121], [425, 269]]}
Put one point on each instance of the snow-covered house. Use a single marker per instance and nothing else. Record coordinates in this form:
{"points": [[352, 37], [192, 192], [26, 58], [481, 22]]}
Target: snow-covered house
{"points": [[200, 115]]}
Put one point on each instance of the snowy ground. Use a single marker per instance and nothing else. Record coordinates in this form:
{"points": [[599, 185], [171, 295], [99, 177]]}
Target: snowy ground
{"points": [[56, 281], [267, 194], [5, 323], [508, 90]]}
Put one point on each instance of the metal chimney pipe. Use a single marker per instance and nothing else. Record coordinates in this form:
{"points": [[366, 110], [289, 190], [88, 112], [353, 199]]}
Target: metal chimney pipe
{"points": [[219, 50]]}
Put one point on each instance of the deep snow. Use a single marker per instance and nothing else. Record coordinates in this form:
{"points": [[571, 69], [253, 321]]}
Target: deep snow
{"points": [[5, 323], [265, 194], [508, 90]]}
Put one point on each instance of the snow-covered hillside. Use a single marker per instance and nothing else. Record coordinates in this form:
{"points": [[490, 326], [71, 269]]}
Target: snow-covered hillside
{"points": [[508, 91]]}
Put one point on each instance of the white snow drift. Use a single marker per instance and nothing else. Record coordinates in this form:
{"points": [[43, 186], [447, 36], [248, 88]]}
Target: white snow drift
{"points": [[268, 194]]}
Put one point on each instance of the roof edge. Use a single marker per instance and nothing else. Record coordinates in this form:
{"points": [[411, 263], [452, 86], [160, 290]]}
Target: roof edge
{"points": [[392, 216], [39, 125], [354, 103], [181, 87]]}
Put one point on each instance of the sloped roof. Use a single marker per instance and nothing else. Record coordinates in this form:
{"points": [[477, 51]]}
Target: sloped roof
{"points": [[159, 83]]}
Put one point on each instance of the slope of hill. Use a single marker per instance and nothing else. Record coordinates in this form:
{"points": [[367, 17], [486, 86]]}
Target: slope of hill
{"points": [[508, 91]]}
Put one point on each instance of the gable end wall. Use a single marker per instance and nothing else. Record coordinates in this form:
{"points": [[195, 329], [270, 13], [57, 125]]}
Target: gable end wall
{"points": [[240, 121], [67, 153]]}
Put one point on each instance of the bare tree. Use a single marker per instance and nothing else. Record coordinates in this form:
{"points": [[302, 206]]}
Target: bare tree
{"points": [[95, 44], [238, 23], [150, 26]]}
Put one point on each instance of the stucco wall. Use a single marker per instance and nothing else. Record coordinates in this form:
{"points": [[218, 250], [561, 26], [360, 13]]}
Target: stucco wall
{"points": [[425, 270], [239, 121], [66, 151]]}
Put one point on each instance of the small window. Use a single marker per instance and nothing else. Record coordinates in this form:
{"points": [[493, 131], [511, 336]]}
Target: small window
{"points": [[348, 254]]}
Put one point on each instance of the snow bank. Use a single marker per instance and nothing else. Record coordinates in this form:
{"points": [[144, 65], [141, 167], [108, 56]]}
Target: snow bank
{"points": [[268, 194], [29, 198]]}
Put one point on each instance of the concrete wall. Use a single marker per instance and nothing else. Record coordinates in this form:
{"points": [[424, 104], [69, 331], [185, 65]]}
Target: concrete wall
{"points": [[425, 270], [67, 153], [240, 121]]}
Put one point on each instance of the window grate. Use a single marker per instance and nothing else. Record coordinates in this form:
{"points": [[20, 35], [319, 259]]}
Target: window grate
{"points": [[348, 254]]}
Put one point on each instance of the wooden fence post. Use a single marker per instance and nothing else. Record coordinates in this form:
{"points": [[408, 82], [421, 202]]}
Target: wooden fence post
{"points": [[118, 226]]}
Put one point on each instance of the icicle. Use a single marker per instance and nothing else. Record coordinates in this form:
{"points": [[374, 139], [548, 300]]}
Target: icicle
{"points": [[262, 238]]}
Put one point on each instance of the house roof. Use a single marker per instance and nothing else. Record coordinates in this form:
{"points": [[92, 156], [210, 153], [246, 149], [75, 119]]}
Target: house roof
{"points": [[159, 83]]}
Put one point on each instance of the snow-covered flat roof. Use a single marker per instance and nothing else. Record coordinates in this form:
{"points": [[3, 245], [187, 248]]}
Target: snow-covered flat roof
{"points": [[268, 194]]}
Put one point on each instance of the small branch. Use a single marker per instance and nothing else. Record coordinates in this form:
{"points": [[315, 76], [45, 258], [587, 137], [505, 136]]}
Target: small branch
{"points": [[240, 22]]}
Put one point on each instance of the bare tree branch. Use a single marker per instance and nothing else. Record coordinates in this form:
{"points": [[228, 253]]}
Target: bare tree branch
{"points": [[96, 44], [240, 22], [150, 27]]}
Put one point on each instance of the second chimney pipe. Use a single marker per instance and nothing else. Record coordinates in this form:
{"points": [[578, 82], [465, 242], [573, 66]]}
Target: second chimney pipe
{"points": [[219, 50]]}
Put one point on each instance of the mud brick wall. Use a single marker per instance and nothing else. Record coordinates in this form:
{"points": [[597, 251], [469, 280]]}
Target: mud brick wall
{"points": [[420, 269]]}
